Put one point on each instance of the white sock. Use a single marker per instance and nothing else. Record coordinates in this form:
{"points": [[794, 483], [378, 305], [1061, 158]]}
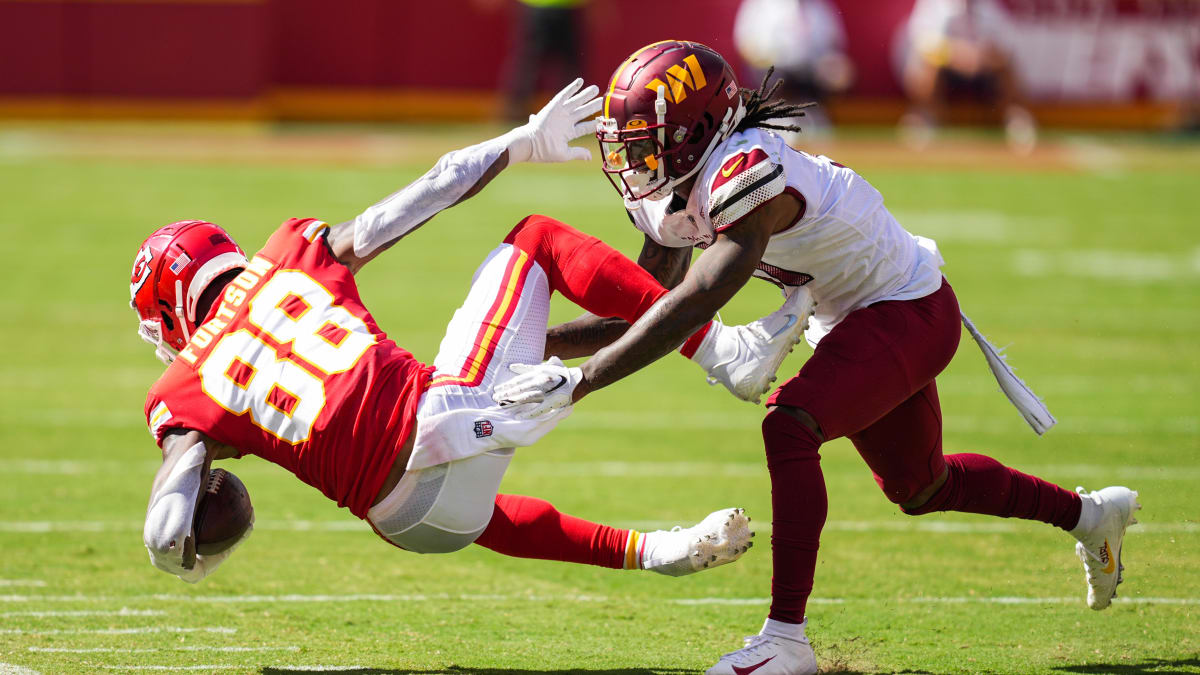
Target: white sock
{"points": [[1089, 517], [790, 631], [707, 354]]}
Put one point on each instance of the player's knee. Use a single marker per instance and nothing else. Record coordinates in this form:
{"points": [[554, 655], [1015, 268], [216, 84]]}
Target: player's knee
{"points": [[532, 231], [917, 500], [429, 538], [790, 432]]}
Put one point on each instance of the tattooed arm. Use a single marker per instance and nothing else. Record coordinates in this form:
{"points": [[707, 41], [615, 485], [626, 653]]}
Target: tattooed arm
{"points": [[589, 333], [717, 274]]}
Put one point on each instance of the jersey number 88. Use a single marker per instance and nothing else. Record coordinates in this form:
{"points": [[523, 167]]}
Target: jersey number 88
{"points": [[244, 373]]}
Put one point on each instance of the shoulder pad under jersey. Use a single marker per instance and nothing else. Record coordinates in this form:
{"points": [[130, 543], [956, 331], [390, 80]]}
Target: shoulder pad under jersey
{"points": [[746, 175]]}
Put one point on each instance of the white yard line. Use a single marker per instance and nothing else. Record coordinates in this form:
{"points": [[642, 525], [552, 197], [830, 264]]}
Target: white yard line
{"points": [[907, 525], [139, 630], [1128, 266], [13, 669], [38, 583], [582, 598], [151, 650], [231, 667], [124, 611]]}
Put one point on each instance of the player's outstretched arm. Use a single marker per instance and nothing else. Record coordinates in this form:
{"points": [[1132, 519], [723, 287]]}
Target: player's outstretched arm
{"points": [[460, 174], [169, 529], [718, 273], [590, 333], [173, 497]]}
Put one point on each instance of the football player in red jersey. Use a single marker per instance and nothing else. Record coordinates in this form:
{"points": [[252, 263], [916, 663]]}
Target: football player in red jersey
{"points": [[695, 159], [276, 356]]}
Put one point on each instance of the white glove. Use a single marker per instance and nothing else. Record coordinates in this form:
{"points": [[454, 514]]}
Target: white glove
{"points": [[542, 389], [547, 136], [207, 564]]}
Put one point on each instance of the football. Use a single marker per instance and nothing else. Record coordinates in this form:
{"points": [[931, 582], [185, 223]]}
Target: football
{"points": [[224, 513]]}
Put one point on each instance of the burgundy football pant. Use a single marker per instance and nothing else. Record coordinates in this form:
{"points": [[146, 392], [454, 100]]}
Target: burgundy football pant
{"points": [[871, 379]]}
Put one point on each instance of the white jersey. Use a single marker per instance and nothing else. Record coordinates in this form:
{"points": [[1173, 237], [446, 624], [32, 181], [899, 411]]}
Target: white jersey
{"points": [[845, 246]]}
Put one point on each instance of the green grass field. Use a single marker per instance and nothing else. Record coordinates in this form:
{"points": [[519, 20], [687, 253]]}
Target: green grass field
{"points": [[1085, 259]]}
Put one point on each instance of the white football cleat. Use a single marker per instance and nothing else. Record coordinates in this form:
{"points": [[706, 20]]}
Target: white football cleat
{"points": [[1099, 548], [768, 655], [745, 358], [722, 537]]}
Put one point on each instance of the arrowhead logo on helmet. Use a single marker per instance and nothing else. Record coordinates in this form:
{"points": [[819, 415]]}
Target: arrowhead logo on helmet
{"points": [[667, 107], [171, 270]]}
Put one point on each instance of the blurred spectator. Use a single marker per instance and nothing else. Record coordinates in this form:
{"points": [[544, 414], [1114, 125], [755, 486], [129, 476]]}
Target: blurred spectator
{"points": [[953, 51], [547, 33], [805, 41]]}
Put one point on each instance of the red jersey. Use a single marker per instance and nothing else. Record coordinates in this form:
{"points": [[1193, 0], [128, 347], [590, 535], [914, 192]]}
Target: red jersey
{"points": [[291, 367]]}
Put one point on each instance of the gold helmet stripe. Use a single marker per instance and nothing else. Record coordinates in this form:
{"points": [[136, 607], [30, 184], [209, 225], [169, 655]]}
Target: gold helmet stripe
{"points": [[617, 75]]}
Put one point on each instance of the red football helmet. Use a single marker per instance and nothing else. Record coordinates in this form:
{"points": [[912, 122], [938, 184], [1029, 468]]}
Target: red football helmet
{"points": [[171, 270], [668, 106]]}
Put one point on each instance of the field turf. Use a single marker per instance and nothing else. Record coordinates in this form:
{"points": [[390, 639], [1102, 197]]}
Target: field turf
{"points": [[1084, 260]]}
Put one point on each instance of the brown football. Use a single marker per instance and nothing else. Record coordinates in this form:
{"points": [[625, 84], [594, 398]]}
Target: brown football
{"points": [[224, 513]]}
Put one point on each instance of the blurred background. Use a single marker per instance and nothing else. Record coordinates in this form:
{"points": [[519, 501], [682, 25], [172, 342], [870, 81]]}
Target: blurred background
{"points": [[1130, 64], [1049, 146]]}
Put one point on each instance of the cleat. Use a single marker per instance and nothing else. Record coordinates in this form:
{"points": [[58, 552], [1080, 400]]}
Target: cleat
{"points": [[744, 358], [768, 655], [1099, 549], [718, 539]]}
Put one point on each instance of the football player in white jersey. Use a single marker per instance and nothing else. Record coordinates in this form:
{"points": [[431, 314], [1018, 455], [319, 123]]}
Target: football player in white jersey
{"points": [[697, 163]]}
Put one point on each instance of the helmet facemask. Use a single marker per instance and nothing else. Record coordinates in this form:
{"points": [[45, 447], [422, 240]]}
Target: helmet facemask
{"points": [[637, 159]]}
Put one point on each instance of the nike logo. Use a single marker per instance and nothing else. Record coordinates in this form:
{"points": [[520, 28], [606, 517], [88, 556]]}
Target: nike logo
{"points": [[785, 327], [561, 381], [750, 669], [1106, 554], [729, 172]]}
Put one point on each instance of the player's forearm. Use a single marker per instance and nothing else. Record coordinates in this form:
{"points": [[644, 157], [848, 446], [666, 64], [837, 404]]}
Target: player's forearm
{"points": [[583, 336], [167, 533], [458, 175], [657, 333], [719, 273]]}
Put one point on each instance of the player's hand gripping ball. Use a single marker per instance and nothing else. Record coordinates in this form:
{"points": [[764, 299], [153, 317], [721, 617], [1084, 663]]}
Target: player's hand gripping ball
{"points": [[224, 513]]}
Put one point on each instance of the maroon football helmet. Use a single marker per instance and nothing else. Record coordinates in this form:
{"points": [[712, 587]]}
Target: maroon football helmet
{"points": [[172, 268], [667, 107]]}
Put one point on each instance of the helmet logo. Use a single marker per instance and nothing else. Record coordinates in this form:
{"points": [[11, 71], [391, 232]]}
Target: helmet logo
{"points": [[681, 80], [141, 270], [635, 124]]}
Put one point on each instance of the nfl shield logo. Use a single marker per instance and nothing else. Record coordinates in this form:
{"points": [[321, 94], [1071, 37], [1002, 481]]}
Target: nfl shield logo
{"points": [[483, 429]]}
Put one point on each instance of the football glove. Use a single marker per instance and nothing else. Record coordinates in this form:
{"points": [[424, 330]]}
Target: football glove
{"points": [[540, 389], [547, 136], [207, 564]]}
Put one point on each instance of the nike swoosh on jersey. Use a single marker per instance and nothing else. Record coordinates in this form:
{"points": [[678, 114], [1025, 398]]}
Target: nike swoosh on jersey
{"points": [[750, 669], [726, 173]]}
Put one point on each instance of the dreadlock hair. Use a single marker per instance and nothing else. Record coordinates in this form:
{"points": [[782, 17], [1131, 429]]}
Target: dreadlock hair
{"points": [[761, 108]]}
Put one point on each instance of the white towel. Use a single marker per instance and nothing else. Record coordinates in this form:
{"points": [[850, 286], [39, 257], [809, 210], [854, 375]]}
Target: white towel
{"points": [[1019, 393]]}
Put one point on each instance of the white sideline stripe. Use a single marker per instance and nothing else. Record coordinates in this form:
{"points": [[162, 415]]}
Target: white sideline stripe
{"points": [[1129, 266], [996, 600], [913, 525], [151, 650], [124, 611], [122, 631], [467, 597], [231, 667], [204, 667], [1007, 526], [22, 582]]}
